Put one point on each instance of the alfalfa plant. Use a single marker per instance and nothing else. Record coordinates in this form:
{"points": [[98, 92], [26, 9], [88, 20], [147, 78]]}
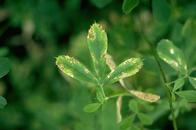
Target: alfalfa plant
{"points": [[98, 44], [178, 97], [173, 56]]}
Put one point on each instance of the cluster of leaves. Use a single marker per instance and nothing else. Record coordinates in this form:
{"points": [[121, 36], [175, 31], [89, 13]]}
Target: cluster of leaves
{"points": [[175, 58], [97, 43]]}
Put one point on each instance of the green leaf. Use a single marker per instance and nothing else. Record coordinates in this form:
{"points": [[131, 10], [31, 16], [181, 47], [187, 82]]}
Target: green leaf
{"points": [[100, 3], [192, 78], [3, 51], [100, 95], [127, 122], [133, 106], [4, 66], [3, 102], [129, 5], [125, 69], [74, 69], [172, 55], [188, 29], [98, 44], [189, 95], [134, 127], [178, 84], [145, 119], [161, 10], [92, 107]]}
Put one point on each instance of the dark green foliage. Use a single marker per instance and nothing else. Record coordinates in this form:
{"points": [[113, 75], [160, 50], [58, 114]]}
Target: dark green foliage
{"points": [[189, 95], [3, 102], [4, 66], [161, 10], [4, 69], [100, 3], [129, 5]]}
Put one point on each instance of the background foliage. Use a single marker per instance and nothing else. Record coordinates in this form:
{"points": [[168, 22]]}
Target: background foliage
{"points": [[34, 32]]}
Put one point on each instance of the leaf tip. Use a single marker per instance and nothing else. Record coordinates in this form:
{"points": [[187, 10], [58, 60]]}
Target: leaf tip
{"points": [[93, 29]]}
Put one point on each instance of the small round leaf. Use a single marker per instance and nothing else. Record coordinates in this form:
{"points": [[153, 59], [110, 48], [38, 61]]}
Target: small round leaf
{"points": [[3, 102], [92, 107]]}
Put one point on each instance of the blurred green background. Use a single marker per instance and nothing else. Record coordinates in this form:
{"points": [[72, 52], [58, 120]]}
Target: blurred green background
{"points": [[34, 32]]}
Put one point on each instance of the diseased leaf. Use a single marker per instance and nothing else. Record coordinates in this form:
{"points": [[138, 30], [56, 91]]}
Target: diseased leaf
{"points": [[97, 41], [74, 69], [109, 61], [129, 5], [161, 10], [178, 84], [125, 69], [189, 95], [97, 44], [92, 107], [3, 102], [169, 53], [145, 96], [4, 66], [145, 119]]}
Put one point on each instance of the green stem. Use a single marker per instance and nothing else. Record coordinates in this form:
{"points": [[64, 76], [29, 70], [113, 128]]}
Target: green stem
{"points": [[166, 86], [117, 95], [102, 90], [169, 94]]}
